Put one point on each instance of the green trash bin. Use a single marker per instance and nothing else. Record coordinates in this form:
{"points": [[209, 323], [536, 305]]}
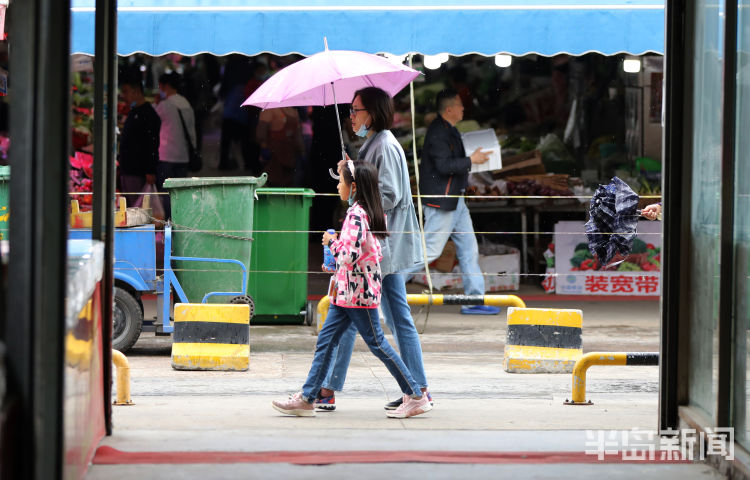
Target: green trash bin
{"points": [[278, 278], [212, 217], [4, 196]]}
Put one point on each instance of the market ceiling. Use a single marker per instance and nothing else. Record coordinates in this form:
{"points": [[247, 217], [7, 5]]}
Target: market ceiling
{"points": [[458, 27]]}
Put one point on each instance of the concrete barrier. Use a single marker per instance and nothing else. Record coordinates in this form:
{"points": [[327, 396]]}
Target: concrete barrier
{"points": [[211, 337], [542, 340]]}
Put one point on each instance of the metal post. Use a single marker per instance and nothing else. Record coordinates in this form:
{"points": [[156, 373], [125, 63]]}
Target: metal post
{"points": [[677, 157], [578, 391], [40, 127], [726, 344], [105, 115]]}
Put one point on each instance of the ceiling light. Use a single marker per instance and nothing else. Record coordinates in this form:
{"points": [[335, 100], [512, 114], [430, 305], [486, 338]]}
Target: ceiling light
{"points": [[503, 61], [432, 62], [631, 65]]}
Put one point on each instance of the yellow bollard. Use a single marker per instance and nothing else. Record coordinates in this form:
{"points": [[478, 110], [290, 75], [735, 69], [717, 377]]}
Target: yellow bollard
{"points": [[439, 299], [123, 378], [583, 364]]}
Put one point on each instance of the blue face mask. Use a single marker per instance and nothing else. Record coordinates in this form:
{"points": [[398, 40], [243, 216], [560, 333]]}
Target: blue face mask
{"points": [[363, 131], [351, 197]]}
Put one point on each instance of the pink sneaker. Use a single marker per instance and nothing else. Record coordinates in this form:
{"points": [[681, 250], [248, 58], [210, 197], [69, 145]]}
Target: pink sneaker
{"points": [[411, 407], [294, 405]]}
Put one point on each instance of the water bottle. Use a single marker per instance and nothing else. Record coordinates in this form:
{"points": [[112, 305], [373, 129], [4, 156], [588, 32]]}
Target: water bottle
{"points": [[329, 262]]}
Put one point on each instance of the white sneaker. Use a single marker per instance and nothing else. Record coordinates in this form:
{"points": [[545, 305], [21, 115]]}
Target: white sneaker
{"points": [[411, 407], [295, 405]]}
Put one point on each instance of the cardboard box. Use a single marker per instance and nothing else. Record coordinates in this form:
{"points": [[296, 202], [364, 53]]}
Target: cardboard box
{"points": [[526, 163], [447, 260], [505, 269]]}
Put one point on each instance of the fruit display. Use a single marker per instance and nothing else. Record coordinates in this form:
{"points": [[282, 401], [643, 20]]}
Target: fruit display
{"points": [[532, 187], [82, 122]]}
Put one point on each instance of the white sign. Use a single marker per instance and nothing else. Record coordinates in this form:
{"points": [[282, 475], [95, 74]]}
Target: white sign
{"points": [[578, 273], [487, 141], [81, 63]]}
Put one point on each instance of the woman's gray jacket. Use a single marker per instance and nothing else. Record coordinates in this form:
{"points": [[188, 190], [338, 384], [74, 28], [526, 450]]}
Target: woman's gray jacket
{"points": [[402, 249]]}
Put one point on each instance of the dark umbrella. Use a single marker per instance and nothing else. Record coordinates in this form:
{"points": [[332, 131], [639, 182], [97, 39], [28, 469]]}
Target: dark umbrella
{"points": [[613, 220]]}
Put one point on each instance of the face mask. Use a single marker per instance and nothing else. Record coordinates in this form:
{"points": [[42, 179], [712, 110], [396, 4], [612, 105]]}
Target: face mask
{"points": [[351, 197], [162, 95], [132, 104], [363, 131]]}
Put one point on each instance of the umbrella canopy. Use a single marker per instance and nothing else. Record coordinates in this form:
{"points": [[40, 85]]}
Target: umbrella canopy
{"points": [[312, 80], [613, 221]]}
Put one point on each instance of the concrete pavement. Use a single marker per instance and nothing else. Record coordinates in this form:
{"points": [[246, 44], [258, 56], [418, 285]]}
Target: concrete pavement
{"points": [[478, 407]]}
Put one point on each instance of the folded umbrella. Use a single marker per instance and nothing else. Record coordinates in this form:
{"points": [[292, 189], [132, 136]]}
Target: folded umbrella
{"points": [[613, 220], [317, 80]]}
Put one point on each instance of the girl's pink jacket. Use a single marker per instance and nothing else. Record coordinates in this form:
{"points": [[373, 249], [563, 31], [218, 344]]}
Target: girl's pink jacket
{"points": [[358, 278]]}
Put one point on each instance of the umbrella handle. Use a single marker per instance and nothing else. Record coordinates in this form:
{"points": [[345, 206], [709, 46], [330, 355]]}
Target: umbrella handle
{"points": [[338, 122]]}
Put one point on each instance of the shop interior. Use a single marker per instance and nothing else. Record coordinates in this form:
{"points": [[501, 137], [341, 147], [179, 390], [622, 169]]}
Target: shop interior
{"points": [[564, 124]]}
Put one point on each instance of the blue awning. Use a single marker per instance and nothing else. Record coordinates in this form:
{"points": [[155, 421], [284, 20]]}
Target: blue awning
{"points": [[458, 27]]}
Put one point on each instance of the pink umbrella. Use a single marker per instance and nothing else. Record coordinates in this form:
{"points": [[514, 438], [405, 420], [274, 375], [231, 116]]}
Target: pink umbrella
{"points": [[311, 80]]}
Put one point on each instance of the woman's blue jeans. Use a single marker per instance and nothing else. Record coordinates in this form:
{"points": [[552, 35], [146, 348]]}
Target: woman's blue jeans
{"points": [[366, 321], [397, 316]]}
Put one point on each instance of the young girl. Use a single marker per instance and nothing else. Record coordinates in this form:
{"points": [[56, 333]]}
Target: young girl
{"points": [[356, 295]]}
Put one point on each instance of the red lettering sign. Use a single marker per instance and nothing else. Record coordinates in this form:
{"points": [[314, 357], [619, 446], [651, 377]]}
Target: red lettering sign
{"points": [[597, 283], [647, 284], [622, 283]]}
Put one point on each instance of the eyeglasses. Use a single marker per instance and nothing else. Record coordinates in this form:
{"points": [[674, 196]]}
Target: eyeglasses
{"points": [[353, 111]]}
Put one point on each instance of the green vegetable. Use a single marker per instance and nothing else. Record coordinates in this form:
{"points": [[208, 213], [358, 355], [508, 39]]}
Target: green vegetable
{"points": [[579, 257], [639, 246], [581, 246], [629, 267]]}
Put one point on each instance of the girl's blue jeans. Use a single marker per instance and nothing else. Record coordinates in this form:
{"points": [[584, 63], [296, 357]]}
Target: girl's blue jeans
{"points": [[366, 321], [397, 316]]}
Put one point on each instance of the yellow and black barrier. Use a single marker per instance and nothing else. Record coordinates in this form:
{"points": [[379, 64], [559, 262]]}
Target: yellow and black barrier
{"points": [[542, 340], [604, 358], [211, 337], [438, 299]]}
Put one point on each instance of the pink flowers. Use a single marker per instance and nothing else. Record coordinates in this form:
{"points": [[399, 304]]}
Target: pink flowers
{"points": [[80, 176]]}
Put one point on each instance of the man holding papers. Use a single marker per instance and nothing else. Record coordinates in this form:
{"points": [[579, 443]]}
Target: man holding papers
{"points": [[445, 173]]}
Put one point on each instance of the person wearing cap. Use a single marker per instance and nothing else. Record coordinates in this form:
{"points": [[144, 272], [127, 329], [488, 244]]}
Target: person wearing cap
{"points": [[445, 171], [371, 115]]}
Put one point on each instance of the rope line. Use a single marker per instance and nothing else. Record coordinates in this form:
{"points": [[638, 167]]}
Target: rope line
{"points": [[224, 232], [467, 197], [315, 272]]}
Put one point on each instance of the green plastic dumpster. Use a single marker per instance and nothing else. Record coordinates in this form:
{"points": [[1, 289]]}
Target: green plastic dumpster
{"points": [[278, 278], [4, 196], [212, 217]]}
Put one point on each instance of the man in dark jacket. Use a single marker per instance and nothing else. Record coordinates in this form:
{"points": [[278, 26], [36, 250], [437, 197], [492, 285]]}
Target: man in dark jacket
{"points": [[139, 142], [445, 171]]}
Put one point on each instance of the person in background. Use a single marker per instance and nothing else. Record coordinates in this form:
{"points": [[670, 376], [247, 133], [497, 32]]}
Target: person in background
{"points": [[356, 294], [174, 111], [139, 142], [279, 135], [235, 122], [445, 171], [652, 212]]}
